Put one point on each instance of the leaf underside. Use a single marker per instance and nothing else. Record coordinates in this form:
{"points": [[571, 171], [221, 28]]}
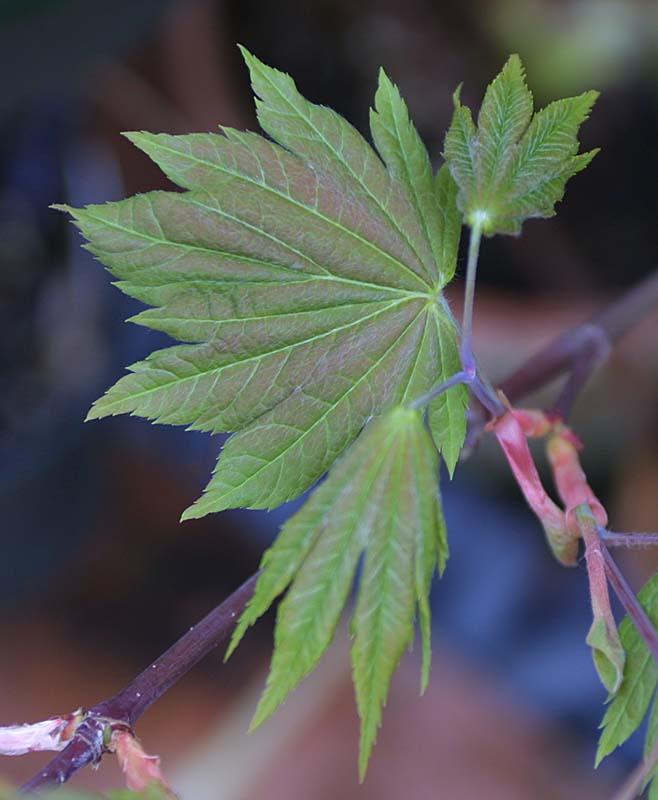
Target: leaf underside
{"points": [[303, 277], [381, 499], [514, 165], [628, 707]]}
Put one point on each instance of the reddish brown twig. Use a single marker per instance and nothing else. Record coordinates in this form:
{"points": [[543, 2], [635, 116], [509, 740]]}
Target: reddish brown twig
{"points": [[90, 740], [577, 352]]}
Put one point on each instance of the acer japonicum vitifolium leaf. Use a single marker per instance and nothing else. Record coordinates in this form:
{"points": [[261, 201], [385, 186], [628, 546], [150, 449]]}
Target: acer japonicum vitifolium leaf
{"points": [[303, 277], [304, 283], [515, 164]]}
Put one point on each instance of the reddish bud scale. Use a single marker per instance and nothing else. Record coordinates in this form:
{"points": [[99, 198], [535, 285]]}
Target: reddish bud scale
{"points": [[570, 479], [603, 637], [534, 423], [140, 769], [512, 438]]}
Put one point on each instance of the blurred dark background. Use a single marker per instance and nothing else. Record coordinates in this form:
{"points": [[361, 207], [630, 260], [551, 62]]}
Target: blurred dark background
{"points": [[97, 576]]}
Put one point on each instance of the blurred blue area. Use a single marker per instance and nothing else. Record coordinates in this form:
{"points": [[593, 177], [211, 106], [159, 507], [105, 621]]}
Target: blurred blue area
{"points": [[505, 604], [51, 464]]}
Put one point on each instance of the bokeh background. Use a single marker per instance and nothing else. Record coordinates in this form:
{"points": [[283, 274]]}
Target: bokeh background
{"points": [[97, 577]]}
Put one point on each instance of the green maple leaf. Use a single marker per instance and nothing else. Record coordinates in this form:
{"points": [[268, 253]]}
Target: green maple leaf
{"points": [[514, 165], [381, 497], [628, 707], [304, 279]]}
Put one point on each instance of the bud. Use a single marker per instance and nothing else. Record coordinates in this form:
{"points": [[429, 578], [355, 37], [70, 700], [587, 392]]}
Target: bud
{"points": [[512, 439], [16, 740], [141, 770]]}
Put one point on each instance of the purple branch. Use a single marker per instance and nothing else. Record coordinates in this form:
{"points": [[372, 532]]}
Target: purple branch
{"points": [[628, 539], [124, 709], [619, 318], [578, 351], [584, 363], [610, 325], [631, 604], [554, 359]]}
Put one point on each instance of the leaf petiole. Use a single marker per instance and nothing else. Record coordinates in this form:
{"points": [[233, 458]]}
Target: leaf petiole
{"points": [[486, 394], [478, 384], [630, 539], [468, 360], [440, 388]]}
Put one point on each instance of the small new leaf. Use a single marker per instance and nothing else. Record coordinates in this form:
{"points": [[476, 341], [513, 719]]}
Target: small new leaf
{"points": [[629, 705], [303, 278], [382, 497], [607, 653], [514, 165]]}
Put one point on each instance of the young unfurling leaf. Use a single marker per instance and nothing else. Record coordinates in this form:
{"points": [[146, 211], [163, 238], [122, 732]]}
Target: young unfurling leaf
{"points": [[514, 165], [382, 497], [304, 279]]}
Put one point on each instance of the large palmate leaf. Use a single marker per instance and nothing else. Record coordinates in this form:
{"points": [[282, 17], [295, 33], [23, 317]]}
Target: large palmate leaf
{"points": [[304, 279], [629, 706], [514, 165], [381, 497]]}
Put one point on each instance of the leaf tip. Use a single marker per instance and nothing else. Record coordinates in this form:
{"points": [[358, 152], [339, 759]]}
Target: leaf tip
{"points": [[135, 137], [365, 751], [236, 638], [384, 82], [450, 460], [601, 753], [252, 61], [513, 69], [592, 95], [589, 156], [425, 676], [191, 513], [266, 707], [92, 414], [208, 503], [62, 207]]}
